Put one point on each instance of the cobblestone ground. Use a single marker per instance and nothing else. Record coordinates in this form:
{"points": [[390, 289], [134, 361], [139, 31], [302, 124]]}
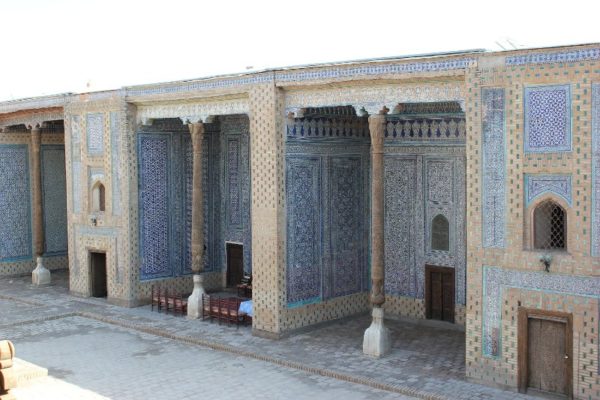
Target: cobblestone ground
{"points": [[95, 350]]}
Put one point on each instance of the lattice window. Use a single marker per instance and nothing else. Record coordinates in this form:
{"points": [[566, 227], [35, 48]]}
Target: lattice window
{"points": [[440, 233], [549, 230]]}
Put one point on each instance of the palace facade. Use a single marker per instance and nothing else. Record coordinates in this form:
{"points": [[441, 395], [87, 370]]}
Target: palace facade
{"points": [[463, 187]]}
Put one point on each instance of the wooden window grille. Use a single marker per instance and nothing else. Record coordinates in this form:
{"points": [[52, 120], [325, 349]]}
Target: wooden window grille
{"points": [[549, 231]]}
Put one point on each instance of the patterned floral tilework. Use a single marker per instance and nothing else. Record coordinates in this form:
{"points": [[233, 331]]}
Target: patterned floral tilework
{"points": [[596, 169], [54, 199], [536, 185], [493, 168], [327, 227], [304, 241], [554, 57], [402, 200], [418, 187], [154, 206], [496, 280], [547, 118], [95, 134], [76, 162], [15, 203], [115, 160], [374, 69]]}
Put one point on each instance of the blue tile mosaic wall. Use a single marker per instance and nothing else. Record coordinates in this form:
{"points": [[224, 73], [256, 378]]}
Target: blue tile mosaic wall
{"points": [[115, 160], [547, 118], [347, 225], [493, 167], [219, 179], [95, 134], [554, 57], [304, 261], [15, 203], [418, 187], [76, 162], [595, 170], [234, 186], [154, 180], [327, 218], [536, 185], [496, 280], [54, 199], [403, 234]]}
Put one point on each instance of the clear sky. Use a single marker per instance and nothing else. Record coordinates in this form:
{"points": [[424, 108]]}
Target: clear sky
{"points": [[55, 46]]}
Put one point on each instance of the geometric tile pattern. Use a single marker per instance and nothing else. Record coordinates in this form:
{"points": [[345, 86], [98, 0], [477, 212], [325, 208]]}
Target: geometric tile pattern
{"points": [[493, 167], [402, 230], [154, 206], [54, 198], [15, 204], [233, 183], [95, 134], [115, 160], [304, 243], [496, 280], [346, 221], [536, 185], [554, 57], [327, 237], [419, 187], [547, 118], [76, 162], [596, 169]]}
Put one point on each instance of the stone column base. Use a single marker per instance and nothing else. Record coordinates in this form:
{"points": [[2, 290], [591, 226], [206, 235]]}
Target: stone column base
{"points": [[194, 306], [377, 342], [40, 275]]}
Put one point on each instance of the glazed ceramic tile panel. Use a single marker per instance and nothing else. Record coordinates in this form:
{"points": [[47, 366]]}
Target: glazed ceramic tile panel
{"points": [[547, 118], [15, 203], [115, 160], [304, 263], [403, 234], [554, 57], [154, 196], [493, 167], [345, 219], [76, 162], [537, 185], [54, 198], [95, 134], [596, 169]]}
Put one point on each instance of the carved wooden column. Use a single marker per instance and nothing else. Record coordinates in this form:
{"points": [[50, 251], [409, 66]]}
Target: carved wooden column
{"points": [[40, 275], [377, 338], [195, 300]]}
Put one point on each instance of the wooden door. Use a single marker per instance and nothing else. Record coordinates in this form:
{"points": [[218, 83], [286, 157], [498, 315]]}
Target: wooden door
{"points": [[439, 293], [235, 264], [98, 272], [545, 352]]}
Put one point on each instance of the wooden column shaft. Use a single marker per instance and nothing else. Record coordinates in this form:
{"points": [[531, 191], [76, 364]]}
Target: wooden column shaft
{"points": [[376, 129], [36, 187], [197, 133]]}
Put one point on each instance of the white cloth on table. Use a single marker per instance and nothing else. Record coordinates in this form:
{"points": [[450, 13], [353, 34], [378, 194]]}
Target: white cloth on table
{"points": [[246, 307]]}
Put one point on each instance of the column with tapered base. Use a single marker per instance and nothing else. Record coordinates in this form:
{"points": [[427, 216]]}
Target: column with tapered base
{"points": [[377, 341], [194, 309], [40, 275]]}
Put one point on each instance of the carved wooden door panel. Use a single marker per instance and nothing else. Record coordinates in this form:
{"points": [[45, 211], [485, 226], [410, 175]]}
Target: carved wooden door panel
{"points": [[439, 293], [98, 273], [547, 356], [235, 264]]}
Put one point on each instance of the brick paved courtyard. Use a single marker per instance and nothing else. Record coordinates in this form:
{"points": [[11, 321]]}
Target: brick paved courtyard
{"points": [[95, 350]]}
